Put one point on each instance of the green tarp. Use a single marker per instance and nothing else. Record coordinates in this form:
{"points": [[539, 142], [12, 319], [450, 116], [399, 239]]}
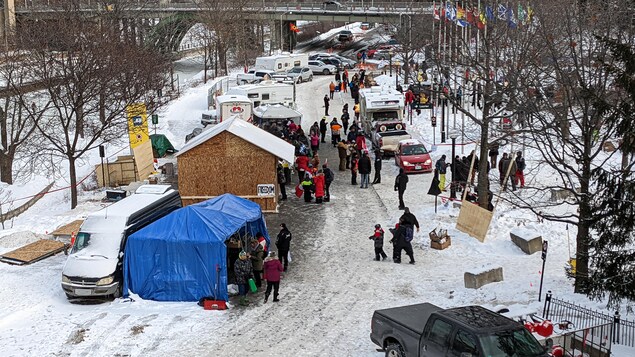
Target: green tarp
{"points": [[161, 145]]}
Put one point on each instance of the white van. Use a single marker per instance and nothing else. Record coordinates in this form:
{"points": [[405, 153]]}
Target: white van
{"points": [[94, 267], [283, 62], [267, 92]]}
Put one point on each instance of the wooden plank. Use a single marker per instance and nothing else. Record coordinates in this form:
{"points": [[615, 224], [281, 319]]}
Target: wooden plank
{"points": [[68, 229], [474, 220], [33, 252]]}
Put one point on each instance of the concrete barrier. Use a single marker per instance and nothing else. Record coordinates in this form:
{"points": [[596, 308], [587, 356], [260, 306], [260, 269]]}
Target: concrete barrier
{"points": [[478, 277], [527, 242]]}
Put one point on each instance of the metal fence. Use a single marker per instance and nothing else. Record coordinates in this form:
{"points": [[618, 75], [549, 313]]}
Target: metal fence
{"points": [[622, 331], [590, 341]]}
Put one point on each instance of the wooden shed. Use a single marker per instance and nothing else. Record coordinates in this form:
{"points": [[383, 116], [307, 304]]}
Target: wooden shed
{"points": [[232, 157]]}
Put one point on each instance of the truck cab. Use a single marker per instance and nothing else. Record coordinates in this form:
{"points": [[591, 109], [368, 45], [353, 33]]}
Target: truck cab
{"points": [[427, 330]]}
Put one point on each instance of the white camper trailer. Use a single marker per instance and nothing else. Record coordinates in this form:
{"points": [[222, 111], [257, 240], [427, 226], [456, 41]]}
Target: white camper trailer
{"points": [[379, 104], [267, 92], [282, 62]]}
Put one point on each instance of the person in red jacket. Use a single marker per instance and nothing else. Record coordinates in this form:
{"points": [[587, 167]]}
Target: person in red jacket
{"points": [[360, 143], [318, 182], [410, 98], [302, 165], [272, 268]]}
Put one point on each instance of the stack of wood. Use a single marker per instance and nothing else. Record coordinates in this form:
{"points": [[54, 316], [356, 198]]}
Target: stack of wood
{"points": [[439, 240]]}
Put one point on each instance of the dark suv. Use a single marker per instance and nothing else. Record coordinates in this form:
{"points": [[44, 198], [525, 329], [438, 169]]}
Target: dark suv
{"points": [[345, 35]]}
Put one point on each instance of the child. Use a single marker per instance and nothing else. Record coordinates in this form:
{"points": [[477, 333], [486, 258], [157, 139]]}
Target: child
{"points": [[354, 168], [378, 238]]}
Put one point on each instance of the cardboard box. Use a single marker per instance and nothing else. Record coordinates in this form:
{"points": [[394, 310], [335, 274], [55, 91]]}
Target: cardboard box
{"points": [[441, 246]]}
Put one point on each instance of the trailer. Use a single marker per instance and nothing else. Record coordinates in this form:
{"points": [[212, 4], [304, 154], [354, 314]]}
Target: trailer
{"points": [[379, 104], [283, 62], [267, 92]]}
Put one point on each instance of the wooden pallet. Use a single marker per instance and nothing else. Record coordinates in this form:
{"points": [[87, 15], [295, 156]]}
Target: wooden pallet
{"points": [[33, 252]]}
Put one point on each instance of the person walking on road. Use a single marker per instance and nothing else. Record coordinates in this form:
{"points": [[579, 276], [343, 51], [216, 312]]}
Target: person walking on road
{"points": [[354, 168], [243, 271], [493, 154], [326, 104], [319, 184], [283, 243], [505, 163], [401, 181], [329, 176], [364, 166], [323, 127], [282, 180], [342, 151], [378, 162], [409, 219], [335, 132], [378, 239], [403, 237], [272, 269], [331, 90], [520, 170]]}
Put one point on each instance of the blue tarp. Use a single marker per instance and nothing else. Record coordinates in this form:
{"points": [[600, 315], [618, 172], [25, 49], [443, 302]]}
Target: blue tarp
{"points": [[182, 256]]}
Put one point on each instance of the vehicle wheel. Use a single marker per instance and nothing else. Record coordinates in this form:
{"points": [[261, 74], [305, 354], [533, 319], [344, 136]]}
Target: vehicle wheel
{"points": [[299, 80], [395, 350], [326, 72], [310, 78], [243, 82]]}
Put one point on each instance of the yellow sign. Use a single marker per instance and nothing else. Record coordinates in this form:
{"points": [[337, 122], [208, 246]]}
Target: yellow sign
{"points": [[137, 124]]}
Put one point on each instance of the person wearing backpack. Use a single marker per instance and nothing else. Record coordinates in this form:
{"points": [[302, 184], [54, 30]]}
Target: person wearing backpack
{"points": [[378, 239], [520, 168], [403, 236]]}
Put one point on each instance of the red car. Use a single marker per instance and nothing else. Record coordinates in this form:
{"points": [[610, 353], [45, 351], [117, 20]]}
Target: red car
{"points": [[412, 156]]}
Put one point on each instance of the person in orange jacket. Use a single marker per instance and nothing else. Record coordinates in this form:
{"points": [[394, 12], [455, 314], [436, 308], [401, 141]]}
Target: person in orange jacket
{"points": [[331, 89]]}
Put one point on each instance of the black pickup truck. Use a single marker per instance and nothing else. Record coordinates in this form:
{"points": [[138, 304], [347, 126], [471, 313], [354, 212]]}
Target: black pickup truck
{"points": [[472, 331]]}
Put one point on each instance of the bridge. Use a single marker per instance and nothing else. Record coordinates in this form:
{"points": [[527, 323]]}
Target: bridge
{"points": [[140, 13]]}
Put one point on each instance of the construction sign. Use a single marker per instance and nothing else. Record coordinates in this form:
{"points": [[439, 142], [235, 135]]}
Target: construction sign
{"points": [[137, 124]]}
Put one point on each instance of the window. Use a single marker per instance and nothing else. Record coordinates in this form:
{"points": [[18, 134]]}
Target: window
{"points": [[279, 65], [286, 64], [464, 343], [414, 150], [252, 95], [81, 241], [296, 63], [439, 332], [511, 343], [265, 96]]}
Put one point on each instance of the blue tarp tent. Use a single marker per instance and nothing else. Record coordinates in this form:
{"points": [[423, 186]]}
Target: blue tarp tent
{"points": [[182, 256]]}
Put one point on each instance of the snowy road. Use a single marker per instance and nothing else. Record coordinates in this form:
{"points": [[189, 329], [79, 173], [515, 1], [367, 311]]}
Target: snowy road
{"points": [[328, 295]]}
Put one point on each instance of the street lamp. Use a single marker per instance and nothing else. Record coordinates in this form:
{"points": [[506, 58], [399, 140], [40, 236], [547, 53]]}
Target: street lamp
{"points": [[453, 135], [390, 62]]}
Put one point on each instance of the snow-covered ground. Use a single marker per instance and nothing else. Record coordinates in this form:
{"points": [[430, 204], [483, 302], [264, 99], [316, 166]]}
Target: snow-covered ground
{"points": [[330, 291]]}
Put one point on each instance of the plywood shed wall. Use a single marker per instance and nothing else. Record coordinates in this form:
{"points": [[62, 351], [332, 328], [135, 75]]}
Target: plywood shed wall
{"points": [[227, 163]]}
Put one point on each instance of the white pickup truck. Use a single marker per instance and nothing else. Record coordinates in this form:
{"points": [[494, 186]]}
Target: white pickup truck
{"points": [[255, 76], [386, 136]]}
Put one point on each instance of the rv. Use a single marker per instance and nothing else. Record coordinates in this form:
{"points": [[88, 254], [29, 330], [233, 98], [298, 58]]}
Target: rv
{"points": [[94, 267], [267, 92], [229, 105], [283, 62], [379, 104]]}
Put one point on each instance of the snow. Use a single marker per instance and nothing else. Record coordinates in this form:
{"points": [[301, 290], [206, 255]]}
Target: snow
{"points": [[332, 287], [526, 233], [482, 269]]}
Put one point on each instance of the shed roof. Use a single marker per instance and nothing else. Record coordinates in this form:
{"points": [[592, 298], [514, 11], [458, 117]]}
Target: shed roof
{"points": [[247, 132]]}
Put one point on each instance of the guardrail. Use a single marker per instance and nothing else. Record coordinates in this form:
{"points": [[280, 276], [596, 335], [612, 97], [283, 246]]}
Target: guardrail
{"points": [[623, 331]]}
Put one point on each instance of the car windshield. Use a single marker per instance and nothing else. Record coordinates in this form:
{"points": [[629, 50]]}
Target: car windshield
{"points": [[414, 150], [382, 116], [81, 241], [518, 343], [295, 70]]}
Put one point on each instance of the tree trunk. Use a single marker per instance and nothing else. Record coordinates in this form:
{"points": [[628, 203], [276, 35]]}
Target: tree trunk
{"points": [[6, 167], [73, 180]]}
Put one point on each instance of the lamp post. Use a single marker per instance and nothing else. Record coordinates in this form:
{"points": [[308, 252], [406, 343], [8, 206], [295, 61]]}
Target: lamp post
{"points": [[390, 62], [453, 135]]}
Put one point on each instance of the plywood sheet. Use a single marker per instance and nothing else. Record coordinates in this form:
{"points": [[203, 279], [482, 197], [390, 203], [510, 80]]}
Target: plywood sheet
{"points": [[33, 252], [144, 159], [68, 229], [474, 220]]}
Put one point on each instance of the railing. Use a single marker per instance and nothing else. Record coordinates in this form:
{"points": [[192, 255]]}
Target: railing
{"points": [[369, 7], [622, 331], [592, 341]]}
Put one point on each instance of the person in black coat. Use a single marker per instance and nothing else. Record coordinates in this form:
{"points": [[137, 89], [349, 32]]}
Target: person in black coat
{"points": [[364, 165], [323, 127], [329, 176], [401, 243], [400, 186], [378, 162], [283, 243]]}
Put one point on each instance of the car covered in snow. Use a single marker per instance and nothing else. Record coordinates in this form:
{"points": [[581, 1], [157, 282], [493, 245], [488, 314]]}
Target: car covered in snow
{"points": [[412, 156], [94, 267]]}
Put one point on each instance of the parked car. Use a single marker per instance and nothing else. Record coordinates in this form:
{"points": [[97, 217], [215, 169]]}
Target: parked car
{"points": [[254, 76], [365, 26], [332, 61], [386, 136], [429, 331], [299, 74], [319, 67], [412, 156], [345, 35], [331, 5], [346, 62]]}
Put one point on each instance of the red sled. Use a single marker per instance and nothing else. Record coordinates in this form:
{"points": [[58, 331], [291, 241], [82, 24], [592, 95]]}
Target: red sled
{"points": [[214, 305], [299, 191]]}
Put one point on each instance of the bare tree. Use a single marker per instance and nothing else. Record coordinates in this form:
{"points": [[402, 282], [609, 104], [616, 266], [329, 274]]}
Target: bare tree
{"points": [[92, 73]]}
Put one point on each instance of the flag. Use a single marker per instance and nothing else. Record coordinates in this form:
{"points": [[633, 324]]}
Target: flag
{"points": [[522, 16], [450, 12], [434, 187], [482, 21], [460, 16], [502, 12], [436, 13], [530, 14], [469, 15], [293, 27], [511, 22], [489, 13]]}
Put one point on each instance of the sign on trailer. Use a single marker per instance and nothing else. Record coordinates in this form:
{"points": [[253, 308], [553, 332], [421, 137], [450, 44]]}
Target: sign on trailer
{"points": [[266, 190]]}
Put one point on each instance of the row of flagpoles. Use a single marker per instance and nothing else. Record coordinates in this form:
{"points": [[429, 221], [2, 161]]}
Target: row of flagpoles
{"points": [[479, 15]]}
